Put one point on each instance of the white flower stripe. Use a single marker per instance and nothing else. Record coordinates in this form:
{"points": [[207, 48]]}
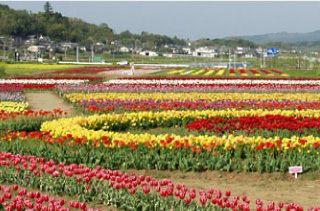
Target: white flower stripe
{"points": [[42, 81], [211, 81]]}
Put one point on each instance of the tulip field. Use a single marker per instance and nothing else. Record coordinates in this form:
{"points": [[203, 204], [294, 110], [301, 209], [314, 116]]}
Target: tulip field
{"points": [[99, 160], [226, 72]]}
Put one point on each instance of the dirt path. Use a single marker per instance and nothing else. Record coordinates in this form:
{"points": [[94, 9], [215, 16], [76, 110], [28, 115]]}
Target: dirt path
{"points": [[47, 101]]}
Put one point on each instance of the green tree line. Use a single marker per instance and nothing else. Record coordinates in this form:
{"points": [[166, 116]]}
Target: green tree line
{"points": [[21, 23]]}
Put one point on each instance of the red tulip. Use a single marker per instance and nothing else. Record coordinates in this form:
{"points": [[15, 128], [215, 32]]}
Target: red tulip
{"points": [[203, 200], [132, 191], [146, 189], [228, 193], [7, 195], [158, 188], [141, 177], [18, 206], [38, 207], [15, 187], [37, 194], [82, 205], [45, 198], [55, 174], [192, 194], [163, 193], [187, 199], [280, 204]]}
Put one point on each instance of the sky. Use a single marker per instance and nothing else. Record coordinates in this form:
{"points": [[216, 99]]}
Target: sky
{"points": [[190, 19]]}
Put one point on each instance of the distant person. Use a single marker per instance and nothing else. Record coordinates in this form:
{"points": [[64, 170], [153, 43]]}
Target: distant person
{"points": [[132, 68], [16, 55]]}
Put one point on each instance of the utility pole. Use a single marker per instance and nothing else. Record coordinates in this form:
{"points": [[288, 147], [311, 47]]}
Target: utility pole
{"points": [[234, 62], [65, 53], [132, 52], [229, 59], [4, 50], [11, 45], [77, 54], [92, 54], [261, 53]]}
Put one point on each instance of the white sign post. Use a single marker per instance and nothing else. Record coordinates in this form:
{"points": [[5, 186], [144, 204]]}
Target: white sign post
{"points": [[295, 170]]}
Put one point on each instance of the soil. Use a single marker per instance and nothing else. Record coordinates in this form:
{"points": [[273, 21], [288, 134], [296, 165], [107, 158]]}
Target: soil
{"points": [[276, 187], [47, 101]]}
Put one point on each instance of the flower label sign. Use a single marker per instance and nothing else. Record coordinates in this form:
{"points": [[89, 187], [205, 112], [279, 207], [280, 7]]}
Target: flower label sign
{"points": [[295, 170]]}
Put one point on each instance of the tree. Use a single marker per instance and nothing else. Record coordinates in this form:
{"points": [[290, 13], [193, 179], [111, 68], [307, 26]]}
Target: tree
{"points": [[47, 8]]}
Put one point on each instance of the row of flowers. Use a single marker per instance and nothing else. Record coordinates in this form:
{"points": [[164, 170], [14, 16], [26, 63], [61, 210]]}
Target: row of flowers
{"points": [[10, 88], [105, 106], [215, 78], [17, 198], [212, 81], [111, 101], [27, 120], [99, 127], [56, 78], [258, 125], [12, 96], [8, 106], [221, 71], [43, 81], [106, 186], [11, 92], [193, 96], [226, 88], [169, 154]]}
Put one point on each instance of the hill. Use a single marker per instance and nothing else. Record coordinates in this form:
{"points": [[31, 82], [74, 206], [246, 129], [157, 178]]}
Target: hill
{"points": [[284, 37]]}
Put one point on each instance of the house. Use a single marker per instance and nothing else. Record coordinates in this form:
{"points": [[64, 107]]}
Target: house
{"points": [[240, 51], [36, 48], [124, 49], [205, 52], [148, 53], [249, 55], [187, 50], [224, 51]]}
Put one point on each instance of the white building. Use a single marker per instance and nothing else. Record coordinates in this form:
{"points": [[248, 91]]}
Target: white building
{"points": [[124, 49], [35, 48], [205, 52], [148, 53], [187, 50]]}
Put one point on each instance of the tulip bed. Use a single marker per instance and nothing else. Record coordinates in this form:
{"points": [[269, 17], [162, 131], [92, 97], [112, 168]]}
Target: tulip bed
{"points": [[185, 88], [81, 156], [105, 186], [27, 120], [12, 98], [226, 72], [120, 102]]}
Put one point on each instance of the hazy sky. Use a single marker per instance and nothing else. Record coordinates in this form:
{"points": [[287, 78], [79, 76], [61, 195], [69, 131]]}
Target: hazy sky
{"points": [[193, 20]]}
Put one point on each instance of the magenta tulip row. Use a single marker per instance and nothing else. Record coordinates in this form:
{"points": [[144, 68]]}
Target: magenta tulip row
{"points": [[132, 183]]}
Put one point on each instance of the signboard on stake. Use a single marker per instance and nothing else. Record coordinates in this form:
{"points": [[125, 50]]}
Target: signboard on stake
{"points": [[272, 51], [295, 170]]}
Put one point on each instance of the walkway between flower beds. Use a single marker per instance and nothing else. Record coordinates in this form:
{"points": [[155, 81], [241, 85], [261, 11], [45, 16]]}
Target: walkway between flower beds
{"points": [[47, 101]]}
